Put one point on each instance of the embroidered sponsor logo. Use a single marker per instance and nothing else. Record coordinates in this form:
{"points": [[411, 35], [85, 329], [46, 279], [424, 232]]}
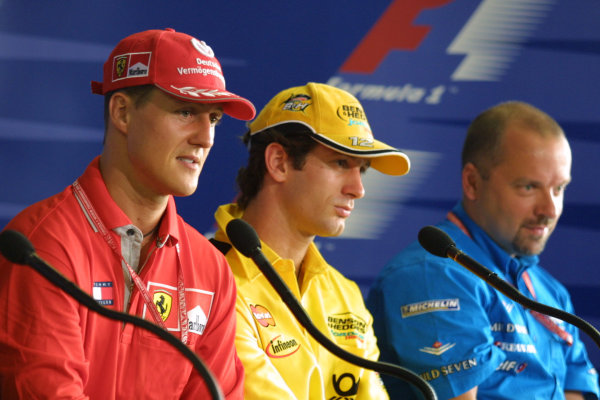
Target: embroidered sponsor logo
{"points": [[138, 69], [202, 47], [427, 306], [199, 71], [120, 66], [449, 369], [516, 347], [347, 326], [438, 348], [345, 386], [510, 328], [162, 298], [131, 65], [163, 302], [204, 67], [262, 315], [297, 102], [197, 320], [508, 306], [103, 293], [512, 366], [198, 304], [353, 116], [280, 347], [201, 303]]}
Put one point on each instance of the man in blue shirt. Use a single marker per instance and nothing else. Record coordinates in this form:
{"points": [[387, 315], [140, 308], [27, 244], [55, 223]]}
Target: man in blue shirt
{"points": [[460, 334]]}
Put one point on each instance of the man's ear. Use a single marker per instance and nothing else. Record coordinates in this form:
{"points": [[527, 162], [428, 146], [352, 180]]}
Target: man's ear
{"points": [[471, 181], [276, 162], [119, 108]]}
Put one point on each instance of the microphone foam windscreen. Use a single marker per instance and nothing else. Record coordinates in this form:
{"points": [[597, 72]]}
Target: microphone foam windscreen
{"points": [[435, 241], [15, 247], [243, 236]]}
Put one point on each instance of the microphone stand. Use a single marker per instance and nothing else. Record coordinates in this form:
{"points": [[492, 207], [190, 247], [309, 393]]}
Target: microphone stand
{"points": [[440, 244], [511, 292], [245, 240]]}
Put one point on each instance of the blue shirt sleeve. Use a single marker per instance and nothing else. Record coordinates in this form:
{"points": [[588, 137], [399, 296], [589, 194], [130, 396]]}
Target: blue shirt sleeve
{"points": [[431, 318]]}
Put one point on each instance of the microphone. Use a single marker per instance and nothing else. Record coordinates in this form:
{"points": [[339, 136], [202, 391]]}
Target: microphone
{"points": [[246, 241], [438, 243], [16, 248]]}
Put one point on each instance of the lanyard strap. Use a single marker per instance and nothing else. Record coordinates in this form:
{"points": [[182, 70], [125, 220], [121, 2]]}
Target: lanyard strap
{"points": [[99, 226], [544, 319], [541, 318]]}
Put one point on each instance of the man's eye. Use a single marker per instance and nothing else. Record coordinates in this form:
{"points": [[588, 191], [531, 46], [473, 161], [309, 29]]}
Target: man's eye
{"points": [[215, 118], [185, 113], [342, 163], [560, 189]]}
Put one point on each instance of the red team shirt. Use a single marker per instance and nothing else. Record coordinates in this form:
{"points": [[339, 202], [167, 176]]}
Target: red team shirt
{"points": [[53, 347]]}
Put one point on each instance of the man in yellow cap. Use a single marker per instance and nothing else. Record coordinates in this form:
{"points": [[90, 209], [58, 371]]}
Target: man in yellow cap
{"points": [[309, 147]]}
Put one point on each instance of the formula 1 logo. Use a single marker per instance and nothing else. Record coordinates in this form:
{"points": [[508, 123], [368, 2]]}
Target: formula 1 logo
{"points": [[490, 39], [393, 31]]}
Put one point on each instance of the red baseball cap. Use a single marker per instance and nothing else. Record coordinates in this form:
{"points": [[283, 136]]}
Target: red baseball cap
{"points": [[174, 62]]}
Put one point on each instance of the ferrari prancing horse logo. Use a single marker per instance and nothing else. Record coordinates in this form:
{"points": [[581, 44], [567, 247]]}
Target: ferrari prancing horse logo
{"points": [[163, 301], [120, 66]]}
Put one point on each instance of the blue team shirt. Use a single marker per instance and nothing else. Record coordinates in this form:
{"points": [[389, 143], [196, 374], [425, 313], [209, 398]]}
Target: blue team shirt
{"points": [[441, 321]]}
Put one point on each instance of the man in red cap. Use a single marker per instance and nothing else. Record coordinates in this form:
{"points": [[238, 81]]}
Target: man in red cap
{"points": [[116, 233]]}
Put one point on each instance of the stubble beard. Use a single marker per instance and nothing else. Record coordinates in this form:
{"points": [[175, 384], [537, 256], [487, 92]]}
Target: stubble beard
{"points": [[525, 244]]}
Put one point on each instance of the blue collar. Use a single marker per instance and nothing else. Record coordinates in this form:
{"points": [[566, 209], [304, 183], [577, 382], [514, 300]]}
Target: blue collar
{"points": [[511, 267]]}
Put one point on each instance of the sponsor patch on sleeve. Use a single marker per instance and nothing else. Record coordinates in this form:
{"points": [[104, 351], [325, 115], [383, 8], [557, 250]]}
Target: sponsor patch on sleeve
{"points": [[427, 306]]}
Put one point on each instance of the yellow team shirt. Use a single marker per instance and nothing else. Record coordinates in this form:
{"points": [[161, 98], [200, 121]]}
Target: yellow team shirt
{"points": [[280, 358]]}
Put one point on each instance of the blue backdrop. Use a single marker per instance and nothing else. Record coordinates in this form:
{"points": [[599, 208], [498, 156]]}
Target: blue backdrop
{"points": [[422, 69]]}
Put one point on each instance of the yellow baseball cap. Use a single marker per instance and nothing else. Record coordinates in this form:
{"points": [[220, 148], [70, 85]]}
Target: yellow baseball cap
{"points": [[336, 120]]}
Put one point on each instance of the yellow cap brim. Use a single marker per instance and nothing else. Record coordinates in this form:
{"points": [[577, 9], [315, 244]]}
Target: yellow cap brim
{"points": [[384, 158]]}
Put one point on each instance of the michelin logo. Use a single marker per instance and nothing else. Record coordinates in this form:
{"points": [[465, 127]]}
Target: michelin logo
{"points": [[427, 306]]}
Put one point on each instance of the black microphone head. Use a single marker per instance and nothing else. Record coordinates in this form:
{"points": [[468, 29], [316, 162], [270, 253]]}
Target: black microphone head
{"points": [[435, 241], [243, 237], [15, 247]]}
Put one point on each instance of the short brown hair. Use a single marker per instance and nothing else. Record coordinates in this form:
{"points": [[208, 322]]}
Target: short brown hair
{"points": [[482, 146], [295, 139], [139, 94]]}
